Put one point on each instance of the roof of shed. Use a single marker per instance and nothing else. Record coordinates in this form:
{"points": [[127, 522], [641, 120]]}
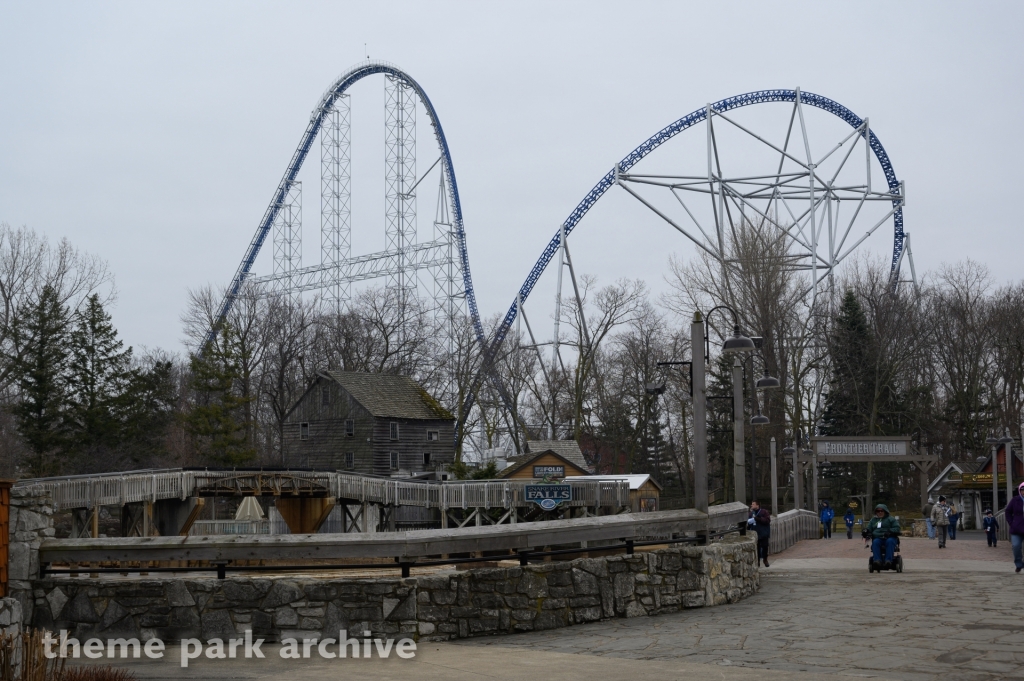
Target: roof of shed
{"points": [[567, 449], [390, 396], [517, 463]]}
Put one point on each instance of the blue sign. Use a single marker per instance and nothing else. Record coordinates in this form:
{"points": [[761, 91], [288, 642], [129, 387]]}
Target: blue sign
{"points": [[548, 497]]}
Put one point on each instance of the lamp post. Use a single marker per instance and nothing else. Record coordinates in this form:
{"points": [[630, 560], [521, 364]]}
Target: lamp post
{"points": [[765, 383], [993, 442], [1007, 443], [775, 479], [736, 345], [700, 416], [809, 453], [654, 390], [791, 452]]}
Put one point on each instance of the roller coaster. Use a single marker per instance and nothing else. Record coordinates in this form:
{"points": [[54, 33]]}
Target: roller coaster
{"points": [[824, 205]]}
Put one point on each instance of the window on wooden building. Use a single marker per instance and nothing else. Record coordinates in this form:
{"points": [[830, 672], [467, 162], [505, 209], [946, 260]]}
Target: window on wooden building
{"points": [[325, 395], [303, 431], [350, 427], [394, 461], [426, 459], [394, 430], [350, 460], [432, 436]]}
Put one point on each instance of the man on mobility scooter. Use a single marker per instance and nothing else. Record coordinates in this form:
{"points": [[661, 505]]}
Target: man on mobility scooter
{"points": [[884, 532]]}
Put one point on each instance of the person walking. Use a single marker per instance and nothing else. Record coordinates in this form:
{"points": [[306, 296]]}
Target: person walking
{"points": [[954, 518], [827, 514], [849, 519], [926, 512], [1015, 526], [883, 530], [761, 521], [940, 519], [991, 526]]}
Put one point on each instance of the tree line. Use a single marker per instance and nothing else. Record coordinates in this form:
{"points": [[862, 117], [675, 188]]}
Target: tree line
{"points": [[943, 363]]}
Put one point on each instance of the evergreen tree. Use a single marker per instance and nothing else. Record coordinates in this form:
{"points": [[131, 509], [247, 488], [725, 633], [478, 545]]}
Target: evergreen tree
{"points": [[216, 420], [851, 348], [148, 411], [99, 377], [40, 412]]}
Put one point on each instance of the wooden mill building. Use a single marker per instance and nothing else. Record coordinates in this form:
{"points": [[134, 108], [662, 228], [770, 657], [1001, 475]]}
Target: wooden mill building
{"points": [[368, 423]]}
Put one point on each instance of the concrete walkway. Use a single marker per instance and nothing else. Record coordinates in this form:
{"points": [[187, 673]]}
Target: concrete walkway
{"points": [[953, 614]]}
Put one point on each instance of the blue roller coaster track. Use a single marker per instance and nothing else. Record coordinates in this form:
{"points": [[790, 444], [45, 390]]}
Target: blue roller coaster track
{"points": [[316, 119], [670, 131]]}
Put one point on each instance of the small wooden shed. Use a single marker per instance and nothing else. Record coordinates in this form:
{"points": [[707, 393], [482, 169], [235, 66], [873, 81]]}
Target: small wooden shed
{"points": [[644, 491]]}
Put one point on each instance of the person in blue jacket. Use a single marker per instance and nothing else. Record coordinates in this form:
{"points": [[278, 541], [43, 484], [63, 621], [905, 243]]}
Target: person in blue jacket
{"points": [[849, 519], [991, 526], [827, 514]]}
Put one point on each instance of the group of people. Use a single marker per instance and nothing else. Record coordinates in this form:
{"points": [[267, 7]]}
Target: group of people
{"points": [[883, 529], [827, 516]]}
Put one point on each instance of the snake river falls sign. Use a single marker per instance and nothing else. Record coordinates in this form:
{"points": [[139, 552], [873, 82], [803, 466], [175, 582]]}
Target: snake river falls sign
{"points": [[548, 497]]}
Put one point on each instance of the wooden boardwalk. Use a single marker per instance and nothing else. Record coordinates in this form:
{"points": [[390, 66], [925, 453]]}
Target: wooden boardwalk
{"points": [[118, 489]]}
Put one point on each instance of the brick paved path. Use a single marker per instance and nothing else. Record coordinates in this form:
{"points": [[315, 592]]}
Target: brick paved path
{"points": [[944, 617], [967, 546]]}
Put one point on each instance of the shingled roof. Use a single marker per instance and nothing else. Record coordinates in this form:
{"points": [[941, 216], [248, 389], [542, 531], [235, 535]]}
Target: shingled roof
{"points": [[389, 396], [567, 449]]}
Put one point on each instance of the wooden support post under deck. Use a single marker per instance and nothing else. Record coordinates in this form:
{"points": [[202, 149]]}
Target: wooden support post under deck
{"points": [[192, 516], [304, 515]]}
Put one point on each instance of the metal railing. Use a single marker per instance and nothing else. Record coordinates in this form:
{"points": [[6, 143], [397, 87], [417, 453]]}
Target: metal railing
{"points": [[110, 489], [790, 527]]}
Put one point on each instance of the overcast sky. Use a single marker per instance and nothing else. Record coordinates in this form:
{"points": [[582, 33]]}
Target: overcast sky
{"points": [[153, 134]]}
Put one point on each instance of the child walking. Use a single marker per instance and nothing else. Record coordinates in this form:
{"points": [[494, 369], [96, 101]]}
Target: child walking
{"points": [[991, 526]]}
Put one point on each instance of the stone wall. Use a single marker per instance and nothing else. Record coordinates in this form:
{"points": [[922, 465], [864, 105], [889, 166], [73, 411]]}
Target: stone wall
{"points": [[31, 519], [431, 607], [10, 616]]}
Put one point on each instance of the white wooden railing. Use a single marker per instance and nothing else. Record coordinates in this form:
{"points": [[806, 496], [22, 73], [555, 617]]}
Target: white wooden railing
{"points": [[1003, 532], [790, 527], [116, 489]]}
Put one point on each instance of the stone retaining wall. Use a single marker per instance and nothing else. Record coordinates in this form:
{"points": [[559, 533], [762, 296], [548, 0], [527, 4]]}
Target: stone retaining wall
{"points": [[432, 607], [10, 616], [31, 520]]}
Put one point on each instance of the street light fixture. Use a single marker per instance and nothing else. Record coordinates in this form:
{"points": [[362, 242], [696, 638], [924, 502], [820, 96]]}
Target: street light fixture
{"points": [[767, 382], [655, 388], [738, 343], [759, 419]]}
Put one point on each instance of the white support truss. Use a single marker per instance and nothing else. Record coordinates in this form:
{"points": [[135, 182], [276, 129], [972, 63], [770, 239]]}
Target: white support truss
{"points": [[400, 179], [288, 231], [336, 202]]}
